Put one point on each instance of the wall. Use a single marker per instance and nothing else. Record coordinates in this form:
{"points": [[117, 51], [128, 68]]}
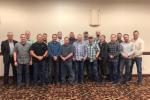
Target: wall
{"points": [[49, 16]]}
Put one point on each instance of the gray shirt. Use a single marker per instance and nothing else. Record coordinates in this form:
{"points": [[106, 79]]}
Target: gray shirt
{"points": [[66, 50], [23, 55], [11, 46]]}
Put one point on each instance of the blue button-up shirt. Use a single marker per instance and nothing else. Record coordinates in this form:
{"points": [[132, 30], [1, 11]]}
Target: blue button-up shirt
{"points": [[54, 48]]}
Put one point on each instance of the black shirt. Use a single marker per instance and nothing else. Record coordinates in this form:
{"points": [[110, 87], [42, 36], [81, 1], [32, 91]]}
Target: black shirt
{"points": [[39, 49]]}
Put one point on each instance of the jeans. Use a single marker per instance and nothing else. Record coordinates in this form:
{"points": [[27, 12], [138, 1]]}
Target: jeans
{"points": [[6, 70], [113, 71], [38, 72], [47, 71], [23, 70], [138, 61], [66, 70], [93, 71], [54, 70], [125, 64], [103, 68], [79, 71]]}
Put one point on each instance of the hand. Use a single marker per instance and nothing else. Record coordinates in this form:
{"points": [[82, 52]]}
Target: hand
{"points": [[55, 58], [97, 57], [63, 58], [30, 63], [16, 64], [84, 58], [111, 56], [40, 58]]}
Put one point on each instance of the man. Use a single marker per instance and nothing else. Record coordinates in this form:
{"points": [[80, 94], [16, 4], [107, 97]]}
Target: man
{"points": [[39, 53], [127, 51], [103, 58], [22, 60], [113, 56], [119, 39], [7, 49], [29, 40], [59, 36], [45, 38], [93, 52], [67, 51], [137, 57], [98, 34], [54, 50], [72, 38], [85, 37], [79, 56], [28, 35]]}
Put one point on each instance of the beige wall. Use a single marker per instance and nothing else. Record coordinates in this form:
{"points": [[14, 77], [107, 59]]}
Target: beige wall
{"points": [[73, 15]]}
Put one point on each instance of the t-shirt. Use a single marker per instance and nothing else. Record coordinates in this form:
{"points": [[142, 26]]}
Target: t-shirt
{"points": [[39, 49], [23, 55], [66, 50]]}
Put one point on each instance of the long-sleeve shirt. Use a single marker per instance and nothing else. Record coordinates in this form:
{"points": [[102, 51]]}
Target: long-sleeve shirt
{"points": [[54, 48], [127, 49], [114, 49], [139, 47], [80, 50], [92, 50]]}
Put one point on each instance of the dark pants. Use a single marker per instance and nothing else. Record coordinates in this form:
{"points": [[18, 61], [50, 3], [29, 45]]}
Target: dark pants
{"points": [[66, 69], [118, 68], [103, 68], [31, 73], [7, 64], [38, 72], [47, 71], [113, 71], [79, 71], [138, 61], [54, 70], [22, 70], [93, 71], [125, 64]]}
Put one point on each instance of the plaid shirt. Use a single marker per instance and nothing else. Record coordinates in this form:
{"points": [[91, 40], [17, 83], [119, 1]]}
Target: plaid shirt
{"points": [[80, 50], [114, 49], [92, 50]]}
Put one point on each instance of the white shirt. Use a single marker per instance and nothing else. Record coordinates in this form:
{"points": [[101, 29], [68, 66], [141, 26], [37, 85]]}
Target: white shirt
{"points": [[139, 47]]}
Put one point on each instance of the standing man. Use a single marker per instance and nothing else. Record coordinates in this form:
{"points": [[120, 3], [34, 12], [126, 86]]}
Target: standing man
{"points": [[113, 56], [127, 51], [96, 39], [45, 38], [39, 53], [79, 57], [72, 38], [67, 52], [54, 50], [103, 68], [7, 50], [22, 60], [137, 57], [93, 52], [59, 36]]}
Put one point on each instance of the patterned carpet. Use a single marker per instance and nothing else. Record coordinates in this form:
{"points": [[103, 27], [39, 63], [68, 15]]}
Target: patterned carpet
{"points": [[87, 91]]}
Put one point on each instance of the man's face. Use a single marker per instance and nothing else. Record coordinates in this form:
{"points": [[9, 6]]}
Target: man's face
{"points": [[59, 35], [135, 35], [72, 34], [54, 37], [85, 35], [45, 37], [66, 41], [90, 40], [39, 38], [102, 38], [23, 38], [10, 36], [113, 38], [79, 38], [119, 36], [97, 34], [27, 33], [126, 38]]}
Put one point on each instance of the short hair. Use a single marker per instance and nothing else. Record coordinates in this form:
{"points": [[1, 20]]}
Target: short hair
{"points": [[136, 31], [103, 35], [86, 32], [44, 33], [66, 38], [113, 34], [90, 37], [126, 35], [22, 34], [54, 35], [39, 35], [119, 33]]}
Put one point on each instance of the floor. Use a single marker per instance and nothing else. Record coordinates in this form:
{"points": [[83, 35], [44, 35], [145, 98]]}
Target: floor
{"points": [[87, 91]]}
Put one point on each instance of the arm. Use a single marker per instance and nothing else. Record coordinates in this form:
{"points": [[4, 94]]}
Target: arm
{"points": [[33, 54], [2, 48], [50, 50]]}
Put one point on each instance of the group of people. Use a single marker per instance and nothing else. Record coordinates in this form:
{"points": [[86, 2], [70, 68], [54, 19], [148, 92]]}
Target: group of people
{"points": [[72, 60]]}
